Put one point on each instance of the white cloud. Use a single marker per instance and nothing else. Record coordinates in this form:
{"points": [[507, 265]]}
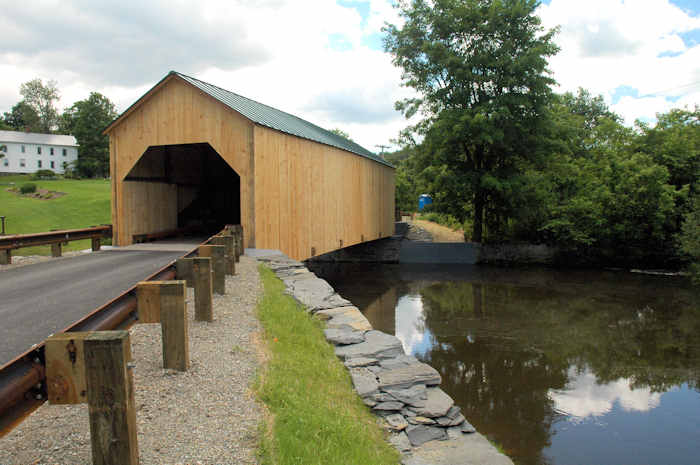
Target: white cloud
{"points": [[410, 323], [606, 44], [584, 397], [284, 53], [278, 52]]}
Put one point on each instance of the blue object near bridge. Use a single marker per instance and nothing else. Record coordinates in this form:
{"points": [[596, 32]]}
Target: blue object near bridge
{"points": [[423, 201]]}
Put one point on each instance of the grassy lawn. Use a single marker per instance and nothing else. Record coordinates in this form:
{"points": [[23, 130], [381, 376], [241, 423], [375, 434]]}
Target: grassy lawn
{"points": [[317, 417], [87, 203]]}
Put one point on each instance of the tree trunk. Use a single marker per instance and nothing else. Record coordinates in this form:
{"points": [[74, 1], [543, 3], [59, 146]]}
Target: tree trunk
{"points": [[478, 216]]}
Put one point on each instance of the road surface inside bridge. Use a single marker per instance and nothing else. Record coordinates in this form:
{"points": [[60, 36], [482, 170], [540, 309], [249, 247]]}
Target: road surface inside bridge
{"points": [[40, 299]]}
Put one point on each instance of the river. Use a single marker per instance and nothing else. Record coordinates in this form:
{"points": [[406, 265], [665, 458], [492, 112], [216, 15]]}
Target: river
{"points": [[556, 367]]}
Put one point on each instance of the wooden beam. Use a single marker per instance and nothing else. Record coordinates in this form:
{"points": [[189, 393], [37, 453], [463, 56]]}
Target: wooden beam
{"points": [[110, 393], [228, 241], [173, 313], [197, 274], [65, 368], [216, 253], [148, 301], [201, 270]]}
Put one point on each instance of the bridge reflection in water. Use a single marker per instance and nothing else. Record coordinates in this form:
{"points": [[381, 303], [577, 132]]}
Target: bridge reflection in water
{"points": [[557, 367]]}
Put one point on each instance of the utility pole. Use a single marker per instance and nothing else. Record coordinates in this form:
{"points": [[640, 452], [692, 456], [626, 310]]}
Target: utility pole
{"points": [[382, 148]]}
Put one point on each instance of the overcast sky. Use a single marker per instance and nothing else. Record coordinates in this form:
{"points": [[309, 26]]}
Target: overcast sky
{"points": [[323, 60]]}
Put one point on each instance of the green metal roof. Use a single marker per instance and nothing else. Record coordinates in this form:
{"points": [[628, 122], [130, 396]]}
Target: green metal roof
{"points": [[279, 120]]}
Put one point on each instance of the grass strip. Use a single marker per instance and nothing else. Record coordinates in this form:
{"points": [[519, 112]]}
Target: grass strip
{"points": [[317, 418], [86, 203]]}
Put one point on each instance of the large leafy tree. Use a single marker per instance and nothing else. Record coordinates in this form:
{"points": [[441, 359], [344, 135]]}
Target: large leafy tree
{"points": [[22, 117], [480, 71], [42, 98], [85, 120]]}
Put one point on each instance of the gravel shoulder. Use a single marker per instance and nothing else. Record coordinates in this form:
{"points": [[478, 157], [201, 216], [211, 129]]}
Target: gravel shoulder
{"points": [[440, 233], [204, 416]]}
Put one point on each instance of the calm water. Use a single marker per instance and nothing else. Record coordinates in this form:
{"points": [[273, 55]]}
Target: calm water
{"points": [[557, 367]]}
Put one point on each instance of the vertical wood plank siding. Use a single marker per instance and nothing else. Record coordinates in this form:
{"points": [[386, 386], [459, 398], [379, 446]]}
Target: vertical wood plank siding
{"points": [[174, 113], [296, 194], [313, 195]]}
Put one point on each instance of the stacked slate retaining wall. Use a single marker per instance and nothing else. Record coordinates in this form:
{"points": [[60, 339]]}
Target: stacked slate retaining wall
{"points": [[400, 389]]}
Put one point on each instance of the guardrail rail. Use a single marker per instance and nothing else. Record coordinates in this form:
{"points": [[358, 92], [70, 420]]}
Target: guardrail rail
{"points": [[53, 238], [23, 380]]}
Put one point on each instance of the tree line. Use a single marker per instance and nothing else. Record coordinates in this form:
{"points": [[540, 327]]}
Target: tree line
{"points": [[84, 120], [504, 155]]}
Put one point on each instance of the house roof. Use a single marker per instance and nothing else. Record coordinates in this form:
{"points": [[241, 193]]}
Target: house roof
{"points": [[35, 138], [265, 115]]}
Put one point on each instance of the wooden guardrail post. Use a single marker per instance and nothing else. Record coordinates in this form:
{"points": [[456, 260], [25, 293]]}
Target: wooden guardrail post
{"points": [[6, 257], [56, 250], [110, 394], [164, 302], [173, 321], [238, 232], [65, 368], [197, 274], [216, 253], [228, 241], [96, 244]]}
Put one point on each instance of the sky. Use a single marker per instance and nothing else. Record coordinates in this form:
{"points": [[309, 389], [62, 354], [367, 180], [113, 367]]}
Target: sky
{"points": [[322, 60]]}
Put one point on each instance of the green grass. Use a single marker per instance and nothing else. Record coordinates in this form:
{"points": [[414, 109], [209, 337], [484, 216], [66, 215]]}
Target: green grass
{"points": [[87, 203], [317, 418]]}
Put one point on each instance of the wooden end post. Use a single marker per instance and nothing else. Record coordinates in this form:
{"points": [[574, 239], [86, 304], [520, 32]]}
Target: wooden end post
{"points": [[65, 368], [173, 316], [148, 301], [6, 257], [110, 393], [56, 250], [197, 274], [96, 244], [228, 242], [216, 253], [183, 270], [201, 271], [239, 234], [236, 248]]}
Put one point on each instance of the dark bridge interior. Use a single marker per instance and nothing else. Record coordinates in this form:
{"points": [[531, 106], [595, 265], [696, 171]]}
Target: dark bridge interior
{"points": [[208, 189]]}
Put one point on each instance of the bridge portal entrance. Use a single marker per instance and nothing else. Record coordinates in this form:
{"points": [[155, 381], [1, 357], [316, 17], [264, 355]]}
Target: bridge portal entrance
{"points": [[186, 186]]}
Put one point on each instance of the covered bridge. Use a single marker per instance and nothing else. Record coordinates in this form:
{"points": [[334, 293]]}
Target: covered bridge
{"points": [[190, 154]]}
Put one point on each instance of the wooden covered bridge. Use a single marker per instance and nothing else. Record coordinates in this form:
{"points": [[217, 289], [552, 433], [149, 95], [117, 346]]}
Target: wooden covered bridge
{"points": [[190, 154]]}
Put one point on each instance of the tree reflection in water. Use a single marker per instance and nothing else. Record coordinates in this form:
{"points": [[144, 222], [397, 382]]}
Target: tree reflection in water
{"points": [[522, 351]]}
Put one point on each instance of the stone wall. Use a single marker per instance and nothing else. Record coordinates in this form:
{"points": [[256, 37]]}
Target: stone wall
{"points": [[526, 254], [399, 388]]}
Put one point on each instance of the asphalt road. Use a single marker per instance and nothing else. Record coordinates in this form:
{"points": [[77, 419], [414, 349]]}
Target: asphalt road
{"points": [[40, 299]]}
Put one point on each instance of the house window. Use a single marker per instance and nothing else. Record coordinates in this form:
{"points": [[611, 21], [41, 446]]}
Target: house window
{"points": [[38, 150], [53, 165], [6, 162], [51, 151], [38, 164], [65, 152], [22, 162], [23, 149]]}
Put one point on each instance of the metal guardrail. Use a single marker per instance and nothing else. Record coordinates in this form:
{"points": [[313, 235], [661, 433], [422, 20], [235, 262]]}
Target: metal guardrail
{"points": [[23, 380], [18, 241]]}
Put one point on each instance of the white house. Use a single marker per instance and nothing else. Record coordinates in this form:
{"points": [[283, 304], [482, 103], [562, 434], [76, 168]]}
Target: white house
{"points": [[27, 152]]}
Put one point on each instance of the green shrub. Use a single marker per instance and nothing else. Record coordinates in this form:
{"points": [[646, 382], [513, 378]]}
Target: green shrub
{"points": [[27, 188], [43, 174]]}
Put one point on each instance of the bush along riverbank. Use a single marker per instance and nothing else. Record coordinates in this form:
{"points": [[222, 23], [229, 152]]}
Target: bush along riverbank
{"points": [[422, 421]]}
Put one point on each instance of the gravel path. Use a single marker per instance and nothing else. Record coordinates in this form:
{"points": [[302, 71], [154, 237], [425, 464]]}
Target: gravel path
{"points": [[207, 415]]}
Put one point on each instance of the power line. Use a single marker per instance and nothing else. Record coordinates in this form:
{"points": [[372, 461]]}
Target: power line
{"points": [[670, 89], [382, 148]]}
